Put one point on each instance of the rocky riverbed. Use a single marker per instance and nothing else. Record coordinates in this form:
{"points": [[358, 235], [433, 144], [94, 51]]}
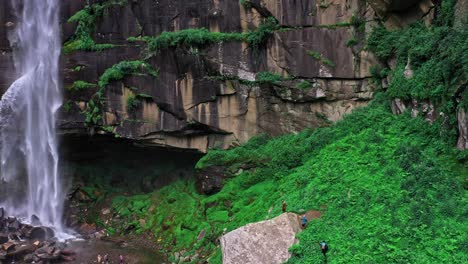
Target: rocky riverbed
{"points": [[25, 243]]}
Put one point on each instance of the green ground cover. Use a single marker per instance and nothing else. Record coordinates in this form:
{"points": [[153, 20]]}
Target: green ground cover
{"points": [[86, 20], [390, 188]]}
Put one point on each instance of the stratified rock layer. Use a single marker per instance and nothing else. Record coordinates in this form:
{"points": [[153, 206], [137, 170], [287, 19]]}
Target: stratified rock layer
{"points": [[262, 242], [201, 98]]}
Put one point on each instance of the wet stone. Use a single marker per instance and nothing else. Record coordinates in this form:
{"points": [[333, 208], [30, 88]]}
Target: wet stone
{"points": [[28, 258], [13, 225], [21, 250], [41, 233], [3, 238], [8, 246], [35, 221]]}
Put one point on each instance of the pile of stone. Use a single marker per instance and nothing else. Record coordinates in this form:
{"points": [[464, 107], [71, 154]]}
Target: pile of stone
{"points": [[23, 243]]}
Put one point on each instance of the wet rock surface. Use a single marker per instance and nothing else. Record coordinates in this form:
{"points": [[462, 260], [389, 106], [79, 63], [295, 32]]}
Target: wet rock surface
{"points": [[23, 243]]}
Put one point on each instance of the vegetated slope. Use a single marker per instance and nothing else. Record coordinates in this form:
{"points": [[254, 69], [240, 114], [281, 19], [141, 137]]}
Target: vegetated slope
{"points": [[389, 186]]}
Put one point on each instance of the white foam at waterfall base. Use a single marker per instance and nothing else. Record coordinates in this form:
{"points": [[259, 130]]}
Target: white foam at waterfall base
{"points": [[30, 180]]}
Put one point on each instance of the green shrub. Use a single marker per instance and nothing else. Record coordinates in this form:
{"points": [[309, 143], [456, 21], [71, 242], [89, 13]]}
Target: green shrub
{"points": [[304, 85], [352, 42], [328, 62], [268, 78], [320, 58], [437, 55], [296, 250], [201, 37], [246, 3], [67, 106], [116, 72], [358, 22], [120, 70], [314, 54], [86, 20], [132, 103], [81, 85]]}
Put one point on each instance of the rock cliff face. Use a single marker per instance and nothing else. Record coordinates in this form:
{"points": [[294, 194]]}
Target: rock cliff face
{"points": [[209, 96]]}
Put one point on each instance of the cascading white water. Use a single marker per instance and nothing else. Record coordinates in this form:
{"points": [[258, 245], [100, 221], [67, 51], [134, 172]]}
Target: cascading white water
{"points": [[29, 155]]}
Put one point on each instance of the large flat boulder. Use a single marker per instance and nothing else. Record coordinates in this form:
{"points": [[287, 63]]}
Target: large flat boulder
{"points": [[263, 242]]}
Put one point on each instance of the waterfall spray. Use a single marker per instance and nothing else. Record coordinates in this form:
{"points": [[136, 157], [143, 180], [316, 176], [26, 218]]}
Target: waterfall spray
{"points": [[30, 183]]}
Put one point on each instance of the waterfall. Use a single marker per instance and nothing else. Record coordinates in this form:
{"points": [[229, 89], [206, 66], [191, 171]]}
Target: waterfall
{"points": [[30, 182]]}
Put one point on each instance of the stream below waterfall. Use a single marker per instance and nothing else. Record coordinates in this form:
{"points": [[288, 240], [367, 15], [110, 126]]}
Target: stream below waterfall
{"points": [[88, 250]]}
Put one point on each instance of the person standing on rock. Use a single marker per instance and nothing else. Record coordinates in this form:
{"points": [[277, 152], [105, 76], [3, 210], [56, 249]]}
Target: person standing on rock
{"points": [[121, 259], [99, 258], [283, 206]]}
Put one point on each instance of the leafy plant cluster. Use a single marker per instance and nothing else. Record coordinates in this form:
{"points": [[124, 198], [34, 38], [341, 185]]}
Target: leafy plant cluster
{"points": [[356, 21], [132, 103], [437, 55], [200, 37], [320, 58], [246, 3], [86, 20], [93, 113], [120, 70], [116, 72], [390, 189], [304, 85], [81, 85]]}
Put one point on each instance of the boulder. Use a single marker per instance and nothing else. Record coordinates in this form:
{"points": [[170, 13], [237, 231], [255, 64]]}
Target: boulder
{"points": [[35, 221], [3, 238], [20, 250], [8, 246], [41, 233], [399, 13], [13, 224], [210, 180], [263, 242]]}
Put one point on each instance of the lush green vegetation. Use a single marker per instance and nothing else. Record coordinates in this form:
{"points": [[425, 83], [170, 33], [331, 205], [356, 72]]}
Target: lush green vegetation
{"points": [[117, 72], [81, 85], [389, 186], [93, 111], [320, 58], [120, 70], [304, 85], [86, 20], [268, 78], [200, 37], [132, 103], [246, 3], [438, 56]]}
